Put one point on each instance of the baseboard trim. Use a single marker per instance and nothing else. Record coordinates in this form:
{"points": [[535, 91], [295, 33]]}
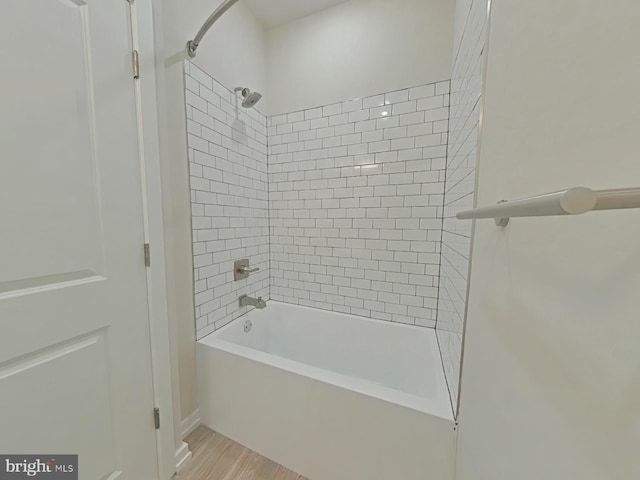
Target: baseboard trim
{"points": [[190, 423], [183, 456]]}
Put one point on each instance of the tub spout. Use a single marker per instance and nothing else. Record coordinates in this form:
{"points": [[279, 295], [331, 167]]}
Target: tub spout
{"points": [[247, 301]]}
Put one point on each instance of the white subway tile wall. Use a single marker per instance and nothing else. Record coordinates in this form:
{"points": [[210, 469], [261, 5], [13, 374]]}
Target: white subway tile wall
{"points": [[229, 198], [466, 85], [356, 193], [343, 211]]}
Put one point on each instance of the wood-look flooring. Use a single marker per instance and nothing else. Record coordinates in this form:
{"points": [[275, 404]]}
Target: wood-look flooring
{"points": [[215, 457]]}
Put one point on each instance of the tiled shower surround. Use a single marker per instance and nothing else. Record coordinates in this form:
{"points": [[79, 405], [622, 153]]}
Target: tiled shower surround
{"points": [[355, 200], [342, 211], [466, 87], [229, 199]]}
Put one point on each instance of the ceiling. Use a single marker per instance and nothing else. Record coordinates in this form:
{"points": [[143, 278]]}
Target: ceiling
{"points": [[273, 13]]}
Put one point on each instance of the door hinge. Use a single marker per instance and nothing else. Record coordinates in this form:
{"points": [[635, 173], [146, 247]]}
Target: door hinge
{"points": [[156, 417], [147, 255], [136, 64]]}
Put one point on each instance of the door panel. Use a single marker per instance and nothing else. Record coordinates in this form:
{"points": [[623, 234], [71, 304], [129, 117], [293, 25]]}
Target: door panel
{"points": [[75, 366], [52, 109], [77, 403]]}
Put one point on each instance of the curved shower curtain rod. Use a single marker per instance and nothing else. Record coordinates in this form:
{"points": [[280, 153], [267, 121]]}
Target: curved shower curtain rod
{"points": [[192, 45]]}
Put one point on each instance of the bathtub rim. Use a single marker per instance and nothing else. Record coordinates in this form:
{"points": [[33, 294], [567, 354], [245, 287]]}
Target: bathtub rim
{"points": [[438, 407]]}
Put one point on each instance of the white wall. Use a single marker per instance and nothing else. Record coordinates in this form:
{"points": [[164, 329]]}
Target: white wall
{"points": [[551, 386], [233, 52], [461, 18], [358, 48]]}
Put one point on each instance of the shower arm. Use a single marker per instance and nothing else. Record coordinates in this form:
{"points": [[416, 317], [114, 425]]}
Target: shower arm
{"points": [[192, 45]]}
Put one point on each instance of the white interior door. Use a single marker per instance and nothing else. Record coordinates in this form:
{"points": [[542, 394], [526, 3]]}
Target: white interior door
{"points": [[75, 367]]}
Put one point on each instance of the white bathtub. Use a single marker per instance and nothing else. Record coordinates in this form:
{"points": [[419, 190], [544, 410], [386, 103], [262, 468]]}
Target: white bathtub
{"points": [[330, 396]]}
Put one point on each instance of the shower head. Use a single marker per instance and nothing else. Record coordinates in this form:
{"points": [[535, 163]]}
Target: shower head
{"points": [[250, 98]]}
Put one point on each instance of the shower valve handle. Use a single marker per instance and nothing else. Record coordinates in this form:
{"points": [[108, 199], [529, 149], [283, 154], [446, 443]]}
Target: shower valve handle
{"points": [[246, 270]]}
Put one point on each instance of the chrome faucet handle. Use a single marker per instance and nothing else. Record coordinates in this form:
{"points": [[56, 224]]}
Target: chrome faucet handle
{"points": [[246, 270]]}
